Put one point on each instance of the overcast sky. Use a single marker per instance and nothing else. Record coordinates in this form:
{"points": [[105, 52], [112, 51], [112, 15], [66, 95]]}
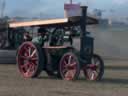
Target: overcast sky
{"points": [[54, 8]]}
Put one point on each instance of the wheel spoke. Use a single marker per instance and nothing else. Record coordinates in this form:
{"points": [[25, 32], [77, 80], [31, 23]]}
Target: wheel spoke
{"points": [[92, 76], [97, 64], [29, 51], [33, 53], [25, 66], [65, 62], [93, 61], [26, 51], [69, 75], [32, 67], [34, 62], [98, 69], [25, 48], [73, 72], [73, 64], [34, 59], [27, 73], [23, 57], [69, 60]]}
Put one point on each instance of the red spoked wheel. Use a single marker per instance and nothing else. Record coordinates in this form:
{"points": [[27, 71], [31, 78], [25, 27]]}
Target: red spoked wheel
{"points": [[69, 66], [29, 60], [95, 70]]}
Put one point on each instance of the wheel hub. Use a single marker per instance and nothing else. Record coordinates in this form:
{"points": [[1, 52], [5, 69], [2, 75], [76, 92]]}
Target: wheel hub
{"points": [[92, 66]]}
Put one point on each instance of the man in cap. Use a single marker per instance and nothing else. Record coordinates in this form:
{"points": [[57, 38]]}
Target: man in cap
{"points": [[27, 36], [41, 37]]}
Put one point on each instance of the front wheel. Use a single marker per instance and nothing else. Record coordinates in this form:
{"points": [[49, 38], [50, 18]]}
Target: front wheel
{"points": [[95, 70], [69, 67]]}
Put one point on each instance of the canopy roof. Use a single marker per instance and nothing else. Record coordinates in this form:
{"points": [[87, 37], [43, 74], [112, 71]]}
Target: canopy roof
{"points": [[53, 22]]}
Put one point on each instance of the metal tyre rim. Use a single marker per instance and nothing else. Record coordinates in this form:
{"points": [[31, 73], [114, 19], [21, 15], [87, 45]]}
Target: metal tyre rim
{"points": [[27, 59], [69, 67], [95, 70]]}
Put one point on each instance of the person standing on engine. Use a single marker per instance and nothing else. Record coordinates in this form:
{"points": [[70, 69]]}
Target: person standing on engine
{"points": [[41, 37], [27, 36]]}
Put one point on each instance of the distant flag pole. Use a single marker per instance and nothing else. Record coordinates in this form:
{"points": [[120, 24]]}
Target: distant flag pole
{"points": [[3, 8], [70, 1]]}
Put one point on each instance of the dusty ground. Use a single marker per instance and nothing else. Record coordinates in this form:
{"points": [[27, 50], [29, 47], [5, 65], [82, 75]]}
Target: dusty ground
{"points": [[114, 83]]}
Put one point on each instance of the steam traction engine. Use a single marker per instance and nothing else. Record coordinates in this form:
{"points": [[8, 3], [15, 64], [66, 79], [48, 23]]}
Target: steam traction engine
{"points": [[59, 59]]}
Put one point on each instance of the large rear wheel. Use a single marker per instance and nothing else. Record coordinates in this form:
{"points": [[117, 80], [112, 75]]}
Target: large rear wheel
{"points": [[30, 59]]}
